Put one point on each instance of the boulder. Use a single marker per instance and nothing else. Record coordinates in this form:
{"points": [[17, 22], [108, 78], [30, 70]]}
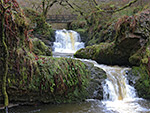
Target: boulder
{"points": [[97, 78], [39, 48], [140, 79]]}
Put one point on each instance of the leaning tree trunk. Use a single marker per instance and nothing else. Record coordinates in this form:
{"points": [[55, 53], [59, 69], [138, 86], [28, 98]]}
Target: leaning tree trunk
{"points": [[4, 58]]}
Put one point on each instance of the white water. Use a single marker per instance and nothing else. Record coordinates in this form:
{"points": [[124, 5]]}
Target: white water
{"points": [[119, 96], [67, 41]]}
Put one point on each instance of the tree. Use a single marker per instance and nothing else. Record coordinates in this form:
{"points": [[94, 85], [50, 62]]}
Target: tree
{"points": [[46, 5], [8, 9], [5, 54], [42, 6]]}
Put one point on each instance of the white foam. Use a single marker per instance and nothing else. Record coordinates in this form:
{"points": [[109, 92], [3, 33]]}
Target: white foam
{"points": [[67, 41]]}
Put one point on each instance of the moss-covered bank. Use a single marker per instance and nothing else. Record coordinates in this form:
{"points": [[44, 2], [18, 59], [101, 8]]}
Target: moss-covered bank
{"points": [[38, 26], [139, 77], [51, 80], [33, 76]]}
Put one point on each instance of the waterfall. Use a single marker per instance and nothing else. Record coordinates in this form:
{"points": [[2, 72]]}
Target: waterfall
{"points": [[117, 87], [67, 41], [118, 95]]}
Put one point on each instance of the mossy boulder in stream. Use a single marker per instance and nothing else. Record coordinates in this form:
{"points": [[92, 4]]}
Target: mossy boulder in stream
{"points": [[110, 53], [139, 76], [97, 79]]}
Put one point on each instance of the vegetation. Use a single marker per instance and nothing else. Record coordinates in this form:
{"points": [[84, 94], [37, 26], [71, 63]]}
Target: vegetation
{"points": [[114, 33], [25, 74]]}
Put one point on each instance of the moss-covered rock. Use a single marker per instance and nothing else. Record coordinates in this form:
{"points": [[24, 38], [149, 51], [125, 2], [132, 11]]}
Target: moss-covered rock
{"points": [[97, 78], [140, 78], [109, 53], [39, 48], [51, 80], [129, 45]]}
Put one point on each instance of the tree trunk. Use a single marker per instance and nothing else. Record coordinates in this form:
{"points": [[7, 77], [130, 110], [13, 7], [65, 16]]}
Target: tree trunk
{"points": [[5, 62]]}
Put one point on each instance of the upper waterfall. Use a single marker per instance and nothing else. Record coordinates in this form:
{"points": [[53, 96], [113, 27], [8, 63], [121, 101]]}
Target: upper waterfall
{"points": [[67, 41]]}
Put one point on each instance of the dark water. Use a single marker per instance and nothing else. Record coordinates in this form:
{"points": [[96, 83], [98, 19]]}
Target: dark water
{"points": [[90, 106]]}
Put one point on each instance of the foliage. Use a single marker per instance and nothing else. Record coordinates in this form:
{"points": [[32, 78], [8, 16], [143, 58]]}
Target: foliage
{"points": [[9, 11], [101, 18], [64, 80], [30, 76], [38, 25]]}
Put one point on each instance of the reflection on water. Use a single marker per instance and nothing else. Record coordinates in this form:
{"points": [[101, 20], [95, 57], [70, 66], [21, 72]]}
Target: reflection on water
{"points": [[90, 106]]}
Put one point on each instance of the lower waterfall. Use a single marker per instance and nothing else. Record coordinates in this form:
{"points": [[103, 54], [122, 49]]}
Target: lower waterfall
{"points": [[118, 95]]}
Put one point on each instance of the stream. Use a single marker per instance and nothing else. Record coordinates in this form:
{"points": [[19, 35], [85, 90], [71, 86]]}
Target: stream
{"points": [[119, 96]]}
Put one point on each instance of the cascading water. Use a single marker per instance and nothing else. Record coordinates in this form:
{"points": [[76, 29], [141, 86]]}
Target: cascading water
{"points": [[119, 96], [67, 41]]}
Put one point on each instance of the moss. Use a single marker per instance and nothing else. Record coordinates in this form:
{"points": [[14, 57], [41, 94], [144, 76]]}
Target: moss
{"points": [[104, 53], [39, 48], [136, 58], [142, 84], [64, 80], [41, 29]]}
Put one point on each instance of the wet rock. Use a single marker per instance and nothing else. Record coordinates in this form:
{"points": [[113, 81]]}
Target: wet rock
{"points": [[97, 78], [139, 78]]}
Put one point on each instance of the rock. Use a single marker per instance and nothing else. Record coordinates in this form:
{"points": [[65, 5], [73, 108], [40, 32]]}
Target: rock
{"points": [[132, 35], [139, 78], [97, 78], [109, 53], [49, 80], [39, 48]]}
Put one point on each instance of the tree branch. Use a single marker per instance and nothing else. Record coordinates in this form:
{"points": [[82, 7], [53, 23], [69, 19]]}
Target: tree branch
{"points": [[127, 5], [113, 11]]}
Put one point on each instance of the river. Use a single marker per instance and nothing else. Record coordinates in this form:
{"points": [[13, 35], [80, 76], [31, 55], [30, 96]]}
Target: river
{"points": [[119, 96]]}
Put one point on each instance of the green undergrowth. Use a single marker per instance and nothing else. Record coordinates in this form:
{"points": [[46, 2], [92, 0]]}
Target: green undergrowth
{"points": [[99, 26]]}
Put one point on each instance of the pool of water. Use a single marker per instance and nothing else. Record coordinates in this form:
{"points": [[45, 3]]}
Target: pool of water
{"points": [[89, 106]]}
